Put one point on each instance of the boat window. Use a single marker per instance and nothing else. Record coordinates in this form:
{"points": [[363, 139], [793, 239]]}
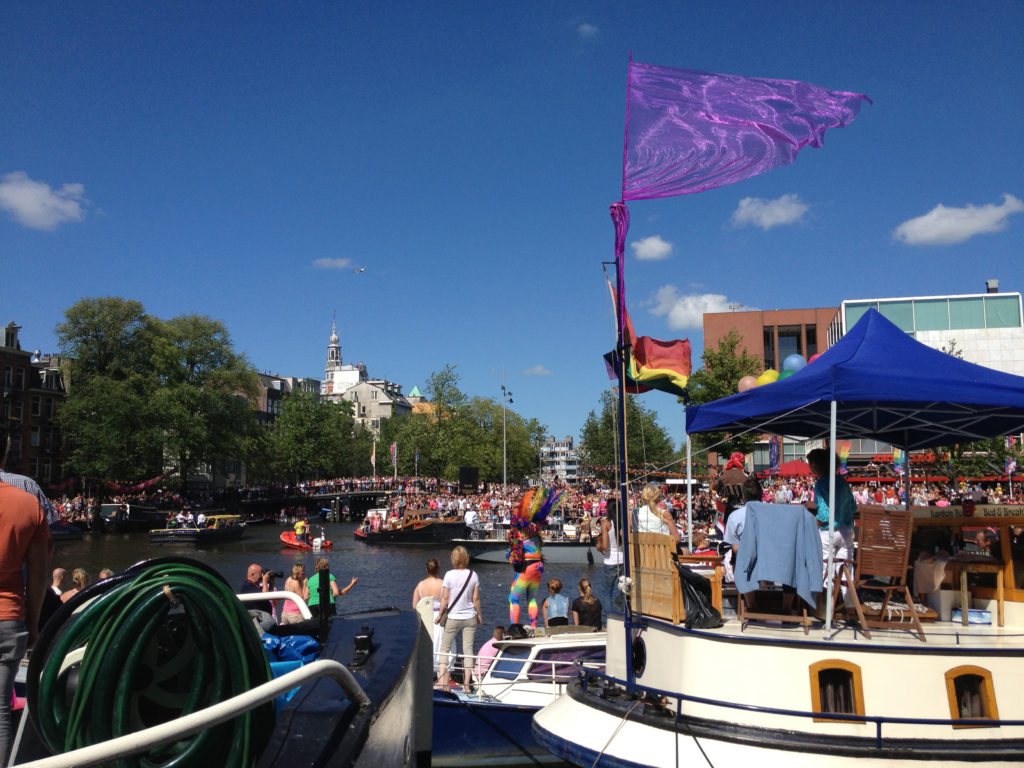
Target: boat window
{"points": [[971, 695], [560, 663], [510, 662], [836, 688]]}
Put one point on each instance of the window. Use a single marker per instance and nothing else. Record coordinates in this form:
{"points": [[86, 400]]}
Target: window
{"points": [[560, 663], [901, 313], [836, 689], [1002, 312], [971, 695], [769, 346], [37, 405], [811, 335], [790, 342], [19, 378], [855, 312], [931, 315], [966, 313]]}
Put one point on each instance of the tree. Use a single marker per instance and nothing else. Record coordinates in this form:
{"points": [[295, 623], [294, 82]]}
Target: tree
{"points": [[451, 436], [723, 368], [311, 438], [647, 444]]}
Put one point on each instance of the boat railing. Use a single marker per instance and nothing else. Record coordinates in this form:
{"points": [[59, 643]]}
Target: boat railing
{"points": [[505, 672], [589, 676], [188, 725], [280, 594]]}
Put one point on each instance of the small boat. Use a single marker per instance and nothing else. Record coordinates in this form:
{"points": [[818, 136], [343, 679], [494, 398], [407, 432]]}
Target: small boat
{"points": [[216, 529], [561, 552], [491, 723], [345, 690], [65, 532], [414, 528], [289, 540], [131, 518]]}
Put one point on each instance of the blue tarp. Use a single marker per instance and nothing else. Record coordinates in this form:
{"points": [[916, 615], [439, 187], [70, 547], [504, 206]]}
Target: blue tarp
{"points": [[886, 386]]}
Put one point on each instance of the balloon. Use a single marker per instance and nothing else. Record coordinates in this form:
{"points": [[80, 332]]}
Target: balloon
{"points": [[767, 377], [747, 382], [785, 375], [814, 357], [794, 363]]}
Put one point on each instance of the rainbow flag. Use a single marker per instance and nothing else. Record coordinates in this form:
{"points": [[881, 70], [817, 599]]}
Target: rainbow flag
{"points": [[652, 363]]}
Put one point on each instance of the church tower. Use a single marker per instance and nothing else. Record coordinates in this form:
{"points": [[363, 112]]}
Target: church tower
{"points": [[333, 352]]}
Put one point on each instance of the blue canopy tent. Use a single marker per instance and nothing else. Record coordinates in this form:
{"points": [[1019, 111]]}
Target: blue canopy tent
{"points": [[875, 382]]}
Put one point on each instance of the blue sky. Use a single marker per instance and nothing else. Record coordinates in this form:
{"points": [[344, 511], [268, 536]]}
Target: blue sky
{"points": [[241, 160]]}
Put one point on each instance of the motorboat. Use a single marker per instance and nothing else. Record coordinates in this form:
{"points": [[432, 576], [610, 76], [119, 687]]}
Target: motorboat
{"points": [[489, 721], [215, 529], [182, 672], [563, 552], [317, 543]]}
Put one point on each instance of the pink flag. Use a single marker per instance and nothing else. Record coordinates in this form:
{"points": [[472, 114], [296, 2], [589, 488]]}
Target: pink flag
{"points": [[688, 131]]}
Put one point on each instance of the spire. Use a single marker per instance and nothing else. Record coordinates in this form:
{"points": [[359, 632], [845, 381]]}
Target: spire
{"points": [[333, 347]]}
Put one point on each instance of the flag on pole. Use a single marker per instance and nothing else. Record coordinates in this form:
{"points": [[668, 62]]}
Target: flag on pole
{"points": [[394, 454], [373, 457], [689, 131], [774, 455], [652, 363]]}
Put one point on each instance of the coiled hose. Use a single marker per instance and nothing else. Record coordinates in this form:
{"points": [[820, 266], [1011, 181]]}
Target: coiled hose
{"points": [[163, 639]]}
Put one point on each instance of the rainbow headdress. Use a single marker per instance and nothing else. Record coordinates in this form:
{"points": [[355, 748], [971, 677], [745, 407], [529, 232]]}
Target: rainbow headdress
{"points": [[529, 518]]}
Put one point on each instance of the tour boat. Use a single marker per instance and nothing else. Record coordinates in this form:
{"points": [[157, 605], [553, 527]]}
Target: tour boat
{"points": [[215, 529], [160, 664], [413, 528], [489, 721]]}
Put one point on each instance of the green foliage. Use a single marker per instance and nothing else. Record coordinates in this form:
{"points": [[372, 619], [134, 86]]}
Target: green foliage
{"points": [[723, 368], [647, 443], [312, 438]]}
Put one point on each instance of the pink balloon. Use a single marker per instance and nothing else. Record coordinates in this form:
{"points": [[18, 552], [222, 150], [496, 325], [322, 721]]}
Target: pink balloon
{"points": [[812, 358], [747, 382]]}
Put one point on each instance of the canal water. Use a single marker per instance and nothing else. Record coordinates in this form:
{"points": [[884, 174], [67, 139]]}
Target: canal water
{"points": [[387, 574]]}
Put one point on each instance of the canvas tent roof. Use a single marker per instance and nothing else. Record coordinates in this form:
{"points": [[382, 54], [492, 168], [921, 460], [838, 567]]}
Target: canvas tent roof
{"points": [[886, 386]]}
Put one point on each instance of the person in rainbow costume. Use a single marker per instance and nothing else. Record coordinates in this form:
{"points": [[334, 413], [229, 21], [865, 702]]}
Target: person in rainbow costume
{"points": [[524, 553]]}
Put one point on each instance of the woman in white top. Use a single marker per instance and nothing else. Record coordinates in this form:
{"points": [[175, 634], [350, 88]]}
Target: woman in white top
{"points": [[651, 518], [460, 598], [431, 587]]}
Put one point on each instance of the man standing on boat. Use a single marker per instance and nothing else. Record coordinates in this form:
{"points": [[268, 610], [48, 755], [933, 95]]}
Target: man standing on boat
{"points": [[729, 484], [25, 537]]}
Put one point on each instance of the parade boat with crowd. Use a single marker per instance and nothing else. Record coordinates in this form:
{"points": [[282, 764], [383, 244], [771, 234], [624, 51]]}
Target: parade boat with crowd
{"points": [[828, 660]]}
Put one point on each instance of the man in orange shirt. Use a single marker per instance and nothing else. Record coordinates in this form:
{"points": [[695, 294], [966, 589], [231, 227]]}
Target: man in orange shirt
{"points": [[24, 542]]}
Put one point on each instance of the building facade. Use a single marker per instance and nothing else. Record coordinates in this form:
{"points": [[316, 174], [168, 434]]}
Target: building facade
{"points": [[558, 461], [372, 399], [773, 335], [32, 390]]}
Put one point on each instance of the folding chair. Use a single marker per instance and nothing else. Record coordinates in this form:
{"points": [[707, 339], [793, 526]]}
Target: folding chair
{"points": [[883, 549]]}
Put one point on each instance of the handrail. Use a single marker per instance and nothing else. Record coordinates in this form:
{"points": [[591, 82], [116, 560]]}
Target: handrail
{"points": [[877, 720], [280, 594], [187, 725]]}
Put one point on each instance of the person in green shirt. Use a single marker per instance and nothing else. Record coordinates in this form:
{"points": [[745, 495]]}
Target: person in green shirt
{"points": [[311, 592]]}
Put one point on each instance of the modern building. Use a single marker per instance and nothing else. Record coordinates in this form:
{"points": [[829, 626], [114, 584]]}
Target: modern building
{"points": [[773, 335], [985, 328], [558, 461], [372, 399], [32, 391]]}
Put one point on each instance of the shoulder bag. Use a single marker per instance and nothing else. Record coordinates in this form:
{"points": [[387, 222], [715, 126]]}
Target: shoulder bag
{"points": [[444, 614]]}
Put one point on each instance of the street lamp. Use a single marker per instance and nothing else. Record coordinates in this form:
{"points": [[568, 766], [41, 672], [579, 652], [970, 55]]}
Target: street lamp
{"points": [[506, 399]]}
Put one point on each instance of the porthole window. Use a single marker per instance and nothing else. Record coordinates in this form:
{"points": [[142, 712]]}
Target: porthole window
{"points": [[836, 689], [971, 695]]}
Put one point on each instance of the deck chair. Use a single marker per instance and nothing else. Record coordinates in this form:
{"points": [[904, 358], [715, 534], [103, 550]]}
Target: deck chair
{"points": [[656, 588], [883, 548]]}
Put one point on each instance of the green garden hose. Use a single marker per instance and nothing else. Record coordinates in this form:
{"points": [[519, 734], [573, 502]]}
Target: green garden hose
{"points": [[166, 638]]}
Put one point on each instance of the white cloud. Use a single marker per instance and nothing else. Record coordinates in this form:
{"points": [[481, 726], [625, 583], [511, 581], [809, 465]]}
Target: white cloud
{"points": [[688, 311], [651, 248], [38, 206], [948, 226], [587, 31], [332, 263], [537, 370], [758, 212]]}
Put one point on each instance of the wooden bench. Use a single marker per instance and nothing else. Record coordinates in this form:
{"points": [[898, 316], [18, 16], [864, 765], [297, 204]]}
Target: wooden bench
{"points": [[657, 590]]}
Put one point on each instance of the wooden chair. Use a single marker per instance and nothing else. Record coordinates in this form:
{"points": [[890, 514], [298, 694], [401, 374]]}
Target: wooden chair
{"points": [[883, 549], [745, 614], [657, 590]]}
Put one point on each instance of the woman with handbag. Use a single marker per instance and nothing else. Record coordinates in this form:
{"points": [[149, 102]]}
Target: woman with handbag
{"points": [[461, 613]]}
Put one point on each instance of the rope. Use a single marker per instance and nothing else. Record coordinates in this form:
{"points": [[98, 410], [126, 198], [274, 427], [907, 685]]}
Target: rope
{"points": [[163, 640]]}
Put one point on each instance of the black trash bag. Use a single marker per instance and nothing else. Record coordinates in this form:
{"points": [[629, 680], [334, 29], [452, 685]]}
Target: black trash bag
{"points": [[700, 614]]}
